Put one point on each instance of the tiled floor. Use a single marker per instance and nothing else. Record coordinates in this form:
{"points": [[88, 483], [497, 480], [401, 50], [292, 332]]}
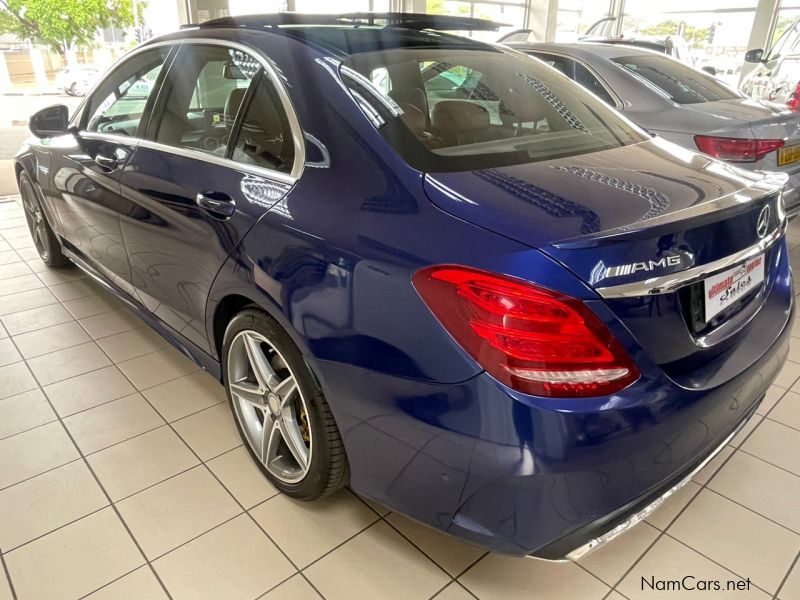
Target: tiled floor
{"points": [[122, 476]]}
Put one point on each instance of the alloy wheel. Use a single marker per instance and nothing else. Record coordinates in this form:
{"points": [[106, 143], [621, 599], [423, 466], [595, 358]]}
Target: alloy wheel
{"points": [[36, 221], [269, 406]]}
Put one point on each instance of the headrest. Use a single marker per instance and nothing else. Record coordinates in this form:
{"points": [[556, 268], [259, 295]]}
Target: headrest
{"points": [[459, 116], [413, 118], [413, 95], [232, 105]]}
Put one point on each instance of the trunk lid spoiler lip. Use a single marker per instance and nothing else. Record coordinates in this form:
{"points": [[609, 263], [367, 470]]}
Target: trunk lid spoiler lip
{"points": [[771, 182], [669, 283]]}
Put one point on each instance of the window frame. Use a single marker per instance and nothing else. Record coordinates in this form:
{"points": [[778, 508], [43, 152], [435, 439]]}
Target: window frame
{"points": [[81, 114], [150, 114], [618, 104]]}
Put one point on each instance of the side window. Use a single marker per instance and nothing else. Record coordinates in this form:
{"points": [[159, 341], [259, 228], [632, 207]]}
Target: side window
{"points": [[119, 102], [578, 73], [264, 137], [202, 97], [587, 79]]}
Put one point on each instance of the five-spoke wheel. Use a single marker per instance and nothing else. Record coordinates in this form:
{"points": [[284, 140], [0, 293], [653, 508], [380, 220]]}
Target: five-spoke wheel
{"points": [[281, 412], [270, 407]]}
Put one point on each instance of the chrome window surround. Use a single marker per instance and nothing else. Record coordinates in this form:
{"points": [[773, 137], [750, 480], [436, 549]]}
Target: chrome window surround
{"points": [[618, 104], [294, 124]]}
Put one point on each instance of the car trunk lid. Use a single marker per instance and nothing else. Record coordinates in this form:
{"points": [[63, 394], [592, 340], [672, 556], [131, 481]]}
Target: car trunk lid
{"points": [[643, 226]]}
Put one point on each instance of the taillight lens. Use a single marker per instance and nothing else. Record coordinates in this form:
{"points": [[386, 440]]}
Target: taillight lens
{"points": [[531, 339], [736, 149], [793, 102]]}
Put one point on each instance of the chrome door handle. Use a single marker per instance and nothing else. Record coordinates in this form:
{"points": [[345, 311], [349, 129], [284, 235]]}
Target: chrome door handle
{"points": [[216, 203]]}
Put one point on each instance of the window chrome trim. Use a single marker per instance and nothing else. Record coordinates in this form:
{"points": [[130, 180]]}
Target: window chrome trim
{"points": [[272, 74], [618, 104], [220, 160], [669, 283]]}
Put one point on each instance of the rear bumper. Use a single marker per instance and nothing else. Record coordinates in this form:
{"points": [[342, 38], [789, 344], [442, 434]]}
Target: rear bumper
{"points": [[532, 476]]}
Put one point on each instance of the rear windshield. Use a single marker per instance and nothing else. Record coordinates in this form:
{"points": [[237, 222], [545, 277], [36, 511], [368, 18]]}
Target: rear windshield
{"points": [[446, 109], [680, 82]]}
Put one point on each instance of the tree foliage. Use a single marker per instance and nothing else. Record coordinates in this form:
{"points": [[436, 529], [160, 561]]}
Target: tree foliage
{"points": [[695, 36], [62, 24]]}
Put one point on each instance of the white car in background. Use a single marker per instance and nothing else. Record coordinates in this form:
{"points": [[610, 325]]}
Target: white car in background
{"points": [[77, 80]]}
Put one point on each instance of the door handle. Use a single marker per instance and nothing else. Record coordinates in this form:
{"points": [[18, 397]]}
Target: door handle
{"points": [[217, 203], [106, 162]]}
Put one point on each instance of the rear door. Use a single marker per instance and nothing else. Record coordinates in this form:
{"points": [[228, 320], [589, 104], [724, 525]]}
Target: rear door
{"points": [[218, 153], [85, 176]]}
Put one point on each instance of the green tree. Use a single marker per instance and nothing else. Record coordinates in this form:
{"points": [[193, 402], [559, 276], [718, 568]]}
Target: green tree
{"points": [[695, 36], [63, 24]]}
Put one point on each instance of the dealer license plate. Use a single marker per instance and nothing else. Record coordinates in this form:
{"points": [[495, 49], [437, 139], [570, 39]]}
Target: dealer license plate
{"points": [[788, 155], [726, 288]]}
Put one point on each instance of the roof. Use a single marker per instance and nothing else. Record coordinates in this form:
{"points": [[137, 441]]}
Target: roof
{"points": [[584, 49], [346, 34], [418, 21]]}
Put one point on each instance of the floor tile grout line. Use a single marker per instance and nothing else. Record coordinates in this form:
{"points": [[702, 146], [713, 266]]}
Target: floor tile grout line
{"points": [[8, 576], [69, 462], [408, 539], [8, 551], [786, 577], [113, 581], [425, 554], [103, 489], [719, 564], [83, 410], [737, 503], [662, 532], [762, 459], [214, 475]]}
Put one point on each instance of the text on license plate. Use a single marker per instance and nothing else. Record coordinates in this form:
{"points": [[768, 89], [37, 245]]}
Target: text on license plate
{"points": [[788, 155], [726, 288]]}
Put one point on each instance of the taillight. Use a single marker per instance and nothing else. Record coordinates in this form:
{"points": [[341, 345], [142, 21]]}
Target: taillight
{"points": [[531, 339], [736, 149], [793, 102]]}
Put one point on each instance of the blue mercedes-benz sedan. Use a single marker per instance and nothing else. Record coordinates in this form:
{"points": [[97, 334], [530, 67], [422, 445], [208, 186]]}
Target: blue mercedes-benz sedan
{"points": [[433, 269]]}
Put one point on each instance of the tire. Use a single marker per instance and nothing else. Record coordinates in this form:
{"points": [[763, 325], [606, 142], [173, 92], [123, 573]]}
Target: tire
{"points": [[279, 409], [46, 242]]}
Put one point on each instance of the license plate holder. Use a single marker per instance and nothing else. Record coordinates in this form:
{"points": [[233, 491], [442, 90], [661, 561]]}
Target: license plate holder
{"points": [[725, 289], [788, 155]]}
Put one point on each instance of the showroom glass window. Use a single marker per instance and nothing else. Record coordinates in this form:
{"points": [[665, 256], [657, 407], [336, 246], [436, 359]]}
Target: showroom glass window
{"points": [[202, 96], [713, 33], [119, 102]]}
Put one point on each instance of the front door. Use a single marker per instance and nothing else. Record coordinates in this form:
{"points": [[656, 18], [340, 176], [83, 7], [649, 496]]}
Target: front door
{"points": [[218, 153], [85, 172]]}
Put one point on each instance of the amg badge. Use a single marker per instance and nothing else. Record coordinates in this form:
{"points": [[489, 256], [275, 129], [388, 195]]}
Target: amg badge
{"points": [[601, 272]]}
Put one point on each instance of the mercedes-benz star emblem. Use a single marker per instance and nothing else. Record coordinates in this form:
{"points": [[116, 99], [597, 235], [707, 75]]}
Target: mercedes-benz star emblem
{"points": [[762, 226]]}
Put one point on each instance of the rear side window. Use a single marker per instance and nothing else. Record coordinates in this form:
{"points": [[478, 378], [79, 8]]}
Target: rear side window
{"points": [[680, 82], [202, 96], [579, 73], [119, 102], [264, 137]]}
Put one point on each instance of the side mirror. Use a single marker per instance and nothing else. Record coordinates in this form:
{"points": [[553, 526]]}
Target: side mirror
{"points": [[50, 121], [710, 70], [754, 56]]}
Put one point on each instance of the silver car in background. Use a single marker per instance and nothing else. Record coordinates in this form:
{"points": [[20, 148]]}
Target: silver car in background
{"points": [[684, 105]]}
